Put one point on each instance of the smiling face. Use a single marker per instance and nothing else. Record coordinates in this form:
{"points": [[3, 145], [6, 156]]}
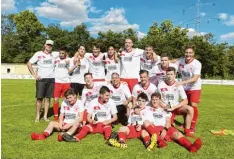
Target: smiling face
{"points": [[48, 47], [105, 97], [144, 77], [88, 79], [115, 80], [111, 51], [149, 52], [170, 76], [62, 54], [128, 44], [164, 62], [96, 51], [155, 102], [189, 54], [71, 99], [81, 50]]}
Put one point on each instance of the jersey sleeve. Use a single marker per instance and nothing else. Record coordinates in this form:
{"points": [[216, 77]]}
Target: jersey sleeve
{"points": [[90, 108], [71, 63], [83, 97], [55, 54], [127, 92], [134, 91], [197, 70], [87, 55], [182, 92], [139, 52], [81, 107], [62, 110], [34, 59]]}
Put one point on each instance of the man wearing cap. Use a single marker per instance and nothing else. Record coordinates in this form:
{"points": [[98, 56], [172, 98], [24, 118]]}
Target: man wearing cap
{"points": [[44, 77]]}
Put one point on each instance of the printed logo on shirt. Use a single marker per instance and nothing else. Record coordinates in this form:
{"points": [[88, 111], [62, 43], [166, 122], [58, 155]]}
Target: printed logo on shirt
{"points": [[148, 66], [128, 59], [96, 108], [157, 116], [101, 114], [62, 65], [164, 89], [47, 62], [116, 98], [112, 67], [181, 66], [170, 96], [186, 74], [135, 119], [70, 116], [97, 63], [142, 60], [82, 67]]}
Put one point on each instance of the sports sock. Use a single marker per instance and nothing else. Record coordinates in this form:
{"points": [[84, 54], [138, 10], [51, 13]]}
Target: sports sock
{"points": [[184, 142], [56, 108], [146, 139], [107, 131], [122, 136], [195, 116], [83, 132]]}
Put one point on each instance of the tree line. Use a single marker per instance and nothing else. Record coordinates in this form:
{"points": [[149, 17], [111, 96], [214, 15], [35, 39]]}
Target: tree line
{"points": [[23, 34]]}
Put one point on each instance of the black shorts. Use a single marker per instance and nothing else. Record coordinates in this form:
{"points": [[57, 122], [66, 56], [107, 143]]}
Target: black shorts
{"points": [[122, 118], [45, 88], [78, 88]]}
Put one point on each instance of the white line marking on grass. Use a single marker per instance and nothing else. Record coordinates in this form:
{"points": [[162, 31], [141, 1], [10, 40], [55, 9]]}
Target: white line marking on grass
{"points": [[16, 105]]}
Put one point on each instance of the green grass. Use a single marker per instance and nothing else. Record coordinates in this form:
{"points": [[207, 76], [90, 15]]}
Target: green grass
{"points": [[18, 111]]}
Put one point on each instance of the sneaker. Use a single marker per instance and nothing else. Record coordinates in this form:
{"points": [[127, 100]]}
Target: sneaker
{"points": [[35, 136], [60, 137], [150, 145], [115, 143], [68, 138], [113, 135], [198, 143]]}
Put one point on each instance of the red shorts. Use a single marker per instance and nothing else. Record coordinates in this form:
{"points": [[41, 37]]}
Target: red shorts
{"points": [[169, 134], [131, 82], [193, 96], [60, 89], [98, 128], [133, 133], [176, 111]]}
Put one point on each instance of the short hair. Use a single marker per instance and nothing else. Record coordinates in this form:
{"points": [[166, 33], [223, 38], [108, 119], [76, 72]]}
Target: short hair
{"points": [[86, 74], [64, 49], [149, 46], [143, 96], [70, 91], [143, 71], [189, 46], [156, 94], [104, 89], [171, 69], [96, 45], [114, 73], [165, 55], [80, 45]]}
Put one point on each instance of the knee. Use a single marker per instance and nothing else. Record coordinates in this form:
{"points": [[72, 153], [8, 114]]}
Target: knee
{"points": [[47, 99], [190, 110], [122, 129], [56, 100], [146, 123]]}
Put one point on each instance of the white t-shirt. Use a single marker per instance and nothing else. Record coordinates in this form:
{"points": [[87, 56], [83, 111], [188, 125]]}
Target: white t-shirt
{"points": [[45, 63], [148, 65], [90, 94], [61, 70], [171, 93], [135, 119], [96, 65], [78, 73], [111, 67], [130, 63], [188, 71], [160, 73], [102, 111], [157, 116], [71, 112], [120, 94], [137, 89]]}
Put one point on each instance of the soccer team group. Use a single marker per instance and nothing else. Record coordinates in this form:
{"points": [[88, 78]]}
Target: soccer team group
{"points": [[134, 87]]}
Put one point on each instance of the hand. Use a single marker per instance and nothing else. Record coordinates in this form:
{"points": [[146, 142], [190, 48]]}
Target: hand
{"points": [[106, 122], [67, 126], [125, 103], [169, 109], [163, 133], [179, 83], [138, 128], [163, 105], [37, 77]]}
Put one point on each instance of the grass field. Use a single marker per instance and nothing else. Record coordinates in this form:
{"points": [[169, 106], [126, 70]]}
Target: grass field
{"points": [[18, 111]]}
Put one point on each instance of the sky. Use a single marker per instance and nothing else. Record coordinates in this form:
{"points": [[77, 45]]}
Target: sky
{"points": [[216, 17]]}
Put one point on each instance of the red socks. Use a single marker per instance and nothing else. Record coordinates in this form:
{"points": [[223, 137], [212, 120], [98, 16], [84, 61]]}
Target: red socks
{"points": [[190, 147], [146, 139], [83, 132], [184, 142], [56, 108], [122, 136], [150, 129], [107, 132], [195, 116]]}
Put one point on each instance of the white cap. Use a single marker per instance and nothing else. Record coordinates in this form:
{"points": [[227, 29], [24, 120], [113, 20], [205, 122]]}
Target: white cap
{"points": [[49, 42]]}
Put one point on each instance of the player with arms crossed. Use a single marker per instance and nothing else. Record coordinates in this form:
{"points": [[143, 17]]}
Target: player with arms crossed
{"points": [[171, 95], [71, 115], [101, 113], [157, 121]]}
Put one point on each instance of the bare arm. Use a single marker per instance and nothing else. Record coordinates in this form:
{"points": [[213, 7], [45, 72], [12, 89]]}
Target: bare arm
{"points": [[182, 103], [30, 68]]}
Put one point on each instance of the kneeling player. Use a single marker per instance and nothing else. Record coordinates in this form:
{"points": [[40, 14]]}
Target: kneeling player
{"points": [[71, 114], [158, 122], [134, 128], [99, 117]]}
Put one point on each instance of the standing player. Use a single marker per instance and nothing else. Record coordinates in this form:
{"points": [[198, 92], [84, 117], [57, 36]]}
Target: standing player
{"points": [[130, 64], [160, 69], [101, 113], [148, 62], [134, 128], [158, 122], [144, 86], [79, 65], [62, 79], [112, 63], [190, 70], [44, 77], [121, 95], [171, 95], [71, 114]]}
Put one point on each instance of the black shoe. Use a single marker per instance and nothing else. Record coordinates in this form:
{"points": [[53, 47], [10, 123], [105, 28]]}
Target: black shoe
{"points": [[69, 138]]}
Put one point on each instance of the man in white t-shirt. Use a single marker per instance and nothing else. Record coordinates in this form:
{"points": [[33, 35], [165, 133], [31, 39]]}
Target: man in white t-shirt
{"points": [[148, 62], [144, 86], [62, 79], [44, 77], [71, 115], [112, 63], [190, 70], [79, 65], [101, 113], [157, 121], [121, 95], [130, 64], [171, 95], [160, 69]]}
